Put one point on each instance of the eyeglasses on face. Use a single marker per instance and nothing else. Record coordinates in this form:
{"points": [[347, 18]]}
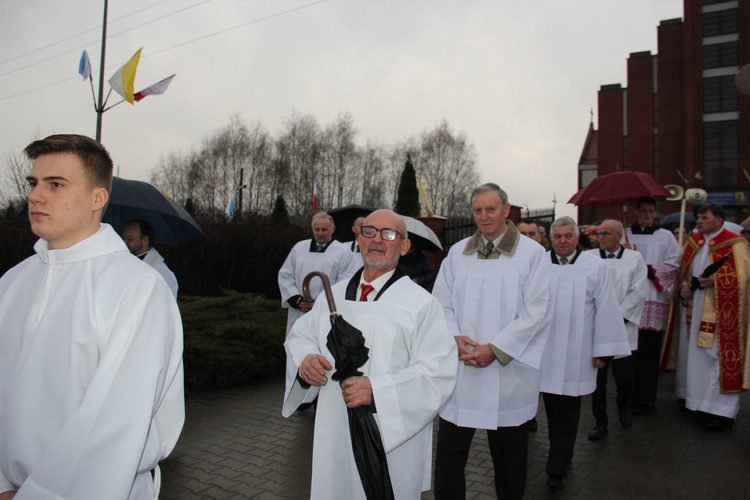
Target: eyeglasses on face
{"points": [[606, 233], [386, 233]]}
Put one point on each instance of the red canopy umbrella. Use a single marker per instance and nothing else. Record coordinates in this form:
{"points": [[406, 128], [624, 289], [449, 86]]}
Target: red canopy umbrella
{"points": [[619, 188]]}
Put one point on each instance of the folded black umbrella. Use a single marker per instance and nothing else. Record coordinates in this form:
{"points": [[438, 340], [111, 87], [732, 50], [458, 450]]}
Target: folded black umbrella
{"points": [[709, 271], [347, 345]]}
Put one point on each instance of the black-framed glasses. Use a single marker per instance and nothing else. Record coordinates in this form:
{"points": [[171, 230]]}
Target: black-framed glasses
{"points": [[386, 233]]}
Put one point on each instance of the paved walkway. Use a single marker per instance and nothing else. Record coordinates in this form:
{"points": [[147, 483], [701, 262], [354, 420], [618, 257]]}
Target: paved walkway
{"points": [[237, 445]]}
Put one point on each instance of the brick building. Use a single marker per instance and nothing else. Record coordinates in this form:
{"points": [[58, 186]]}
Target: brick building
{"points": [[681, 112]]}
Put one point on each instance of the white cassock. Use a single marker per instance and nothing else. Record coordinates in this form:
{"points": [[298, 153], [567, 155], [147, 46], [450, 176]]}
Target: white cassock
{"points": [[629, 279], [91, 383], [412, 369], [334, 262], [584, 323], [500, 302], [661, 251], [155, 260]]}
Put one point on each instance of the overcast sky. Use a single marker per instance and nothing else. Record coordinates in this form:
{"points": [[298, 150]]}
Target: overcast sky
{"points": [[518, 77]]}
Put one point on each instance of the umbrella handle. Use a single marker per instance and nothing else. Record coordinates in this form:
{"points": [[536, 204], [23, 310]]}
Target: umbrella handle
{"points": [[326, 288]]}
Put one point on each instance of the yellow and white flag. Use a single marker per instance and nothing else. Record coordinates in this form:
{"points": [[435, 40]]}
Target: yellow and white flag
{"points": [[424, 197], [123, 81]]}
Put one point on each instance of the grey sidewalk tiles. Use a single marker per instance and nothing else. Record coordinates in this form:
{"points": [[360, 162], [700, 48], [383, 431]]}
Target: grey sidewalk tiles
{"points": [[237, 445]]}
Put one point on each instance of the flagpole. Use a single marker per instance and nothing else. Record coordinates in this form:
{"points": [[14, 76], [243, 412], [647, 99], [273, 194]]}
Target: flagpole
{"points": [[100, 106]]}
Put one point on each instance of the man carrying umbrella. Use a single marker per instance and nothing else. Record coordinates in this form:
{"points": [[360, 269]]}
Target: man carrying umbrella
{"points": [[708, 337], [410, 373]]}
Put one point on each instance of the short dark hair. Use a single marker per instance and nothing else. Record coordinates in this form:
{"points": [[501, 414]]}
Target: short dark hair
{"points": [[145, 229], [529, 221], [714, 208], [647, 200], [97, 164]]}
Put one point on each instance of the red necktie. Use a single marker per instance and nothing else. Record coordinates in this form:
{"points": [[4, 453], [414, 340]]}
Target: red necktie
{"points": [[366, 289]]}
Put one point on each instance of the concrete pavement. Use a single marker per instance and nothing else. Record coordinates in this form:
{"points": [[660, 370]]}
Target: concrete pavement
{"points": [[236, 445]]}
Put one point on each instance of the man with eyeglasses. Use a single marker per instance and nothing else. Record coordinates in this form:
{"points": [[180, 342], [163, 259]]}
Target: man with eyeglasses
{"points": [[661, 253], [494, 289], [628, 272], [410, 373], [321, 253], [581, 337]]}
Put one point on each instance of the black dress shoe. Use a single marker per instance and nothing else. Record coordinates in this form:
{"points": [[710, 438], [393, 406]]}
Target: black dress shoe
{"points": [[555, 483], [599, 432], [642, 409], [714, 424], [533, 425], [626, 419]]}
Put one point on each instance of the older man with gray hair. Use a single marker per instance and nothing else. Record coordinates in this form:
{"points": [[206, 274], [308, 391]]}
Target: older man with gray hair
{"points": [[494, 289], [581, 336], [629, 279], [321, 253], [410, 373]]}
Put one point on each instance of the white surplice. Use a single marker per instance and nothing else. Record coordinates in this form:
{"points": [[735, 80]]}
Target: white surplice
{"points": [[412, 369], [91, 382], [661, 251], [585, 322], [500, 302], [629, 279], [335, 262], [155, 260]]}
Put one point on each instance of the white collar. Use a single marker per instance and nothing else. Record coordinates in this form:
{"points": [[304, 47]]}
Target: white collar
{"points": [[377, 284]]}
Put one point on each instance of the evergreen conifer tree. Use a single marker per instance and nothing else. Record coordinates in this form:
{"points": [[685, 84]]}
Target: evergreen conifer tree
{"points": [[280, 214], [407, 198], [190, 206]]}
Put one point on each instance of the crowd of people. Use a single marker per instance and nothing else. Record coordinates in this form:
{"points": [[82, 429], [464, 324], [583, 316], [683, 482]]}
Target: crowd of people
{"points": [[531, 317], [91, 383]]}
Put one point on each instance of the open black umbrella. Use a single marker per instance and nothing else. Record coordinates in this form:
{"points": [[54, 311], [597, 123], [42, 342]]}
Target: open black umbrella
{"points": [[140, 200], [343, 219], [130, 200], [671, 221], [347, 345]]}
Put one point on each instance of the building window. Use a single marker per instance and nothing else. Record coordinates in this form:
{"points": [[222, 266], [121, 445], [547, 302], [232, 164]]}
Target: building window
{"points": [[721, 154], [720, 55], [588, 173], [720, 22], [720, 94]]}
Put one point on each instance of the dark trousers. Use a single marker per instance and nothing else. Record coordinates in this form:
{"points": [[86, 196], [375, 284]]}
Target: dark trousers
{"points": [[563, 415], [646, 367], [509, 449], [622, 372]]}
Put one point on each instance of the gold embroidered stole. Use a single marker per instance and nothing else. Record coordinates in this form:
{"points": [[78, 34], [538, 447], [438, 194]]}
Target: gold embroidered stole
{"points": [[724, 311]]}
